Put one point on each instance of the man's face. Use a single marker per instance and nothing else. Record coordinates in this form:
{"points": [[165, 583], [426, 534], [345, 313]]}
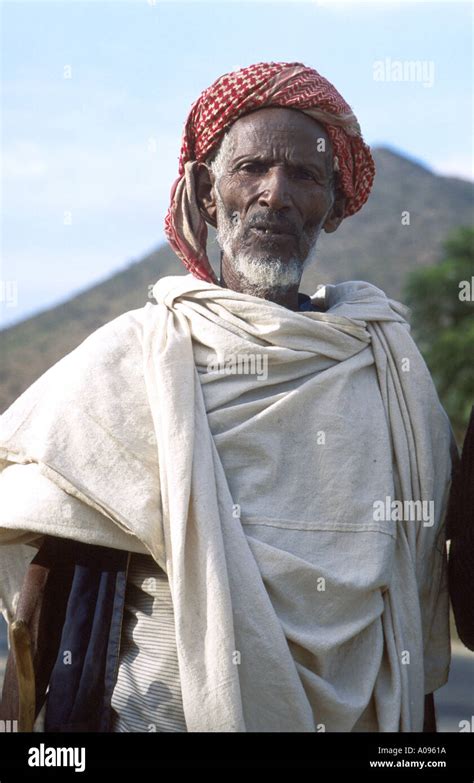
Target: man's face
{"points": [[276, 188]]}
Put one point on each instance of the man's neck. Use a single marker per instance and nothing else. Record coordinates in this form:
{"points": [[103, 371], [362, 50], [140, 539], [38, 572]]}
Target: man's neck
{"points": [[286, 297]]}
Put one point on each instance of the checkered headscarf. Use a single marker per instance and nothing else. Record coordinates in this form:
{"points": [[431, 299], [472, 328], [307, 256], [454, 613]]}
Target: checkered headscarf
{"points": [[289, 85]]}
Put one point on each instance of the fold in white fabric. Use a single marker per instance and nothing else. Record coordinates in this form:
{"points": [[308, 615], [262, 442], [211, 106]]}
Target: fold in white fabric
{"points": [[297, 608]]}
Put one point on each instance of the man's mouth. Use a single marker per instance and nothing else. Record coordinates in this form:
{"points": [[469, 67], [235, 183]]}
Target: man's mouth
{"points": [[271, 231]]}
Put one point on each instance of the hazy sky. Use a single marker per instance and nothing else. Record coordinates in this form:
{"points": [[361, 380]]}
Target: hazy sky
{"points": [[95, 95]]}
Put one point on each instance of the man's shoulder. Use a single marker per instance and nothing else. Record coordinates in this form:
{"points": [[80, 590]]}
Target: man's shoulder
{"points": [[104, 368], [114, 335], [113, 341], [360, 300]]}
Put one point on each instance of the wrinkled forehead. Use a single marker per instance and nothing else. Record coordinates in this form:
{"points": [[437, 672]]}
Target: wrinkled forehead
{"points": [[281, 130]]}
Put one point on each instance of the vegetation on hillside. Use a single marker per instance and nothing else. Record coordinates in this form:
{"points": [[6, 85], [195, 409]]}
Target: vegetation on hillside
{"points": [[442, 301]]}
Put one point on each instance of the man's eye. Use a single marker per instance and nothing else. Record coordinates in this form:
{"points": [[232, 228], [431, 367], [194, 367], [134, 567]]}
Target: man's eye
{"points": [[253, 168], [302, 174], [261, 168]]}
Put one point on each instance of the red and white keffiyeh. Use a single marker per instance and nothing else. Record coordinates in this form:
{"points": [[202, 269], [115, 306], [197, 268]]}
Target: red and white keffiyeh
{"points": [[289, 85]]}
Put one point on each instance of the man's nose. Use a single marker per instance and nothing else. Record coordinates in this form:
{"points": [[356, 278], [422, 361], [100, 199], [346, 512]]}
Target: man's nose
{"points": [[274, 191]]}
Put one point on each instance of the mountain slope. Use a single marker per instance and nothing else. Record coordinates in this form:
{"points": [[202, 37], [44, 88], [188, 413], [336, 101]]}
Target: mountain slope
{"points": [[373, 245]]}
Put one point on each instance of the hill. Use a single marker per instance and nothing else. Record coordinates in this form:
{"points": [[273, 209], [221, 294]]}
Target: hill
{"points": [[373, 245]]}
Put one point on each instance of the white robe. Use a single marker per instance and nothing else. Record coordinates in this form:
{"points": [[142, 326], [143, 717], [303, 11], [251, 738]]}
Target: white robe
{"points": [[297, 607]]}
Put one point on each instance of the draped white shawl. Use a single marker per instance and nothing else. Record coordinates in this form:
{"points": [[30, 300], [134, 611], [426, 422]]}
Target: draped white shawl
{"points": [[233, 484]]}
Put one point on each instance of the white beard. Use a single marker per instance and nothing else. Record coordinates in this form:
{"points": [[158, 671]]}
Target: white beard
{"points": [[263, 272]]}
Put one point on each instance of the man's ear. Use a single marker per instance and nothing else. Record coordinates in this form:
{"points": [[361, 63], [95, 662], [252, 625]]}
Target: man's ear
{"points": [[336, 213], [335, 216], [204, 179]]}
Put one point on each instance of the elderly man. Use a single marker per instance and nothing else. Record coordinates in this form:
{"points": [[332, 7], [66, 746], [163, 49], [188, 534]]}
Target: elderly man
{"points": [[238, 492]]}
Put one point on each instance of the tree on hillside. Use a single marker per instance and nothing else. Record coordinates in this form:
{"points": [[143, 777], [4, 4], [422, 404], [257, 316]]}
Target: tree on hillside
{"points": [[441, 298]]}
